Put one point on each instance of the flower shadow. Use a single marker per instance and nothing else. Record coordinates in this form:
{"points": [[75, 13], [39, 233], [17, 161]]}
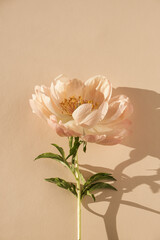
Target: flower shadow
{"points": [[146, 118], [145, 141]]}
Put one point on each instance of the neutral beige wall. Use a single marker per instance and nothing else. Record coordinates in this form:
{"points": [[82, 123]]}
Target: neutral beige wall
{"points": [[40, 39]]}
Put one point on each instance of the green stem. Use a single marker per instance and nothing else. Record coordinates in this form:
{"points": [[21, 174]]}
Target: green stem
{"points": [[78, 199]]}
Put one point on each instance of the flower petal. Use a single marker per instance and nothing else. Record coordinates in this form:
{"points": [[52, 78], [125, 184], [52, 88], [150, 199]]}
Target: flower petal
{"points": [[47, 102], [74, 127], [37, 104], [113, 138], [65, 87], [82, 112], [63, 130], [119, 109], [52, 107], [87, 118], [39, 109], [97, 88], [42, 101]]}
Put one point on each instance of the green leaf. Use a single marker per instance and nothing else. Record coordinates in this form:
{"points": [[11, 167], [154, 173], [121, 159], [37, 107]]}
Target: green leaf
{"points": [[73, 168], [91, 195], [99, 176], [50, 155], [60, 149], [81, 177], [95, 186], [70, 142], [73, 189], [83, 182], [63, 184], [53, 156], [101, 185], [74, 149], [84, 146]]}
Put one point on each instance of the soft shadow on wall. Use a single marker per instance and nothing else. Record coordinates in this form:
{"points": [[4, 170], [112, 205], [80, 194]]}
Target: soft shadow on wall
{"points": [[145, 141]]}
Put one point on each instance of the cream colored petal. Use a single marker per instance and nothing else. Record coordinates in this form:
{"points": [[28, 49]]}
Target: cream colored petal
{"points": [[37, 90], [56, 127], [43, 95], [102, 129], [54, 94], [44, 106], [65, 87], [98, 89], [78, 130], [63, 130], [107, 128], [49, 104], [74, 88], [61, 78], [82, 112], [94, 116], [55, 99], [37, 102], [35, 108], [45, 90], [39, 109], [119, 109], [60, 87], [113, 138], [93, 138]]}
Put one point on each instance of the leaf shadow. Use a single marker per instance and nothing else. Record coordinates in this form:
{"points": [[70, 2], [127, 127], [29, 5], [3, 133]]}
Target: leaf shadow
{"points": [[145, 141]]}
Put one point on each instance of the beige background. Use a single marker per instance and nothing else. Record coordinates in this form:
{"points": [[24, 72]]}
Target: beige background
{"points": [[40, 39]]}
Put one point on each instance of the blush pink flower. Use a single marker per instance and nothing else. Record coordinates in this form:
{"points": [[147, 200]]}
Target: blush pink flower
{"points": [[84, 109]]}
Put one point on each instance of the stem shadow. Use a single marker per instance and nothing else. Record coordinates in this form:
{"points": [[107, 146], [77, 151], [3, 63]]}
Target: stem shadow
{"points": [[145, 141]]}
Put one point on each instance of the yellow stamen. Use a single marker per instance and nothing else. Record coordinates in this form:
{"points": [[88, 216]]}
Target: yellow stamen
{"points": [[69, 105]]}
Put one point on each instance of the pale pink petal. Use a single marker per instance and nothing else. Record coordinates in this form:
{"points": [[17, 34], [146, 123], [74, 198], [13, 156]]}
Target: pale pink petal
{"points": [[56, 102], [44, 98], [39, 109], [82, 112], [119, 109], [93, 138], [37, 90], [126, 123], [35, 109], [49, 104], [61, 78], [88, 120], [43, 102], [60, 86], [65, 88], [74, 88], [56, 127], [61, 129], [37, 105], [78, 130], [45, 90], [98, 89], [113, 138], [43, 105], [107, 128], [54, 94]]}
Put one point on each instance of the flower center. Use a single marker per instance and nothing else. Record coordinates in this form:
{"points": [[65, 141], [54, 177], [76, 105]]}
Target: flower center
{"points": [[69, 105]]}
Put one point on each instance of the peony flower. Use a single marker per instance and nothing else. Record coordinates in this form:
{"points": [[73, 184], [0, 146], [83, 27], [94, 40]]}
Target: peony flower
{"points": [[84, 109]]}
